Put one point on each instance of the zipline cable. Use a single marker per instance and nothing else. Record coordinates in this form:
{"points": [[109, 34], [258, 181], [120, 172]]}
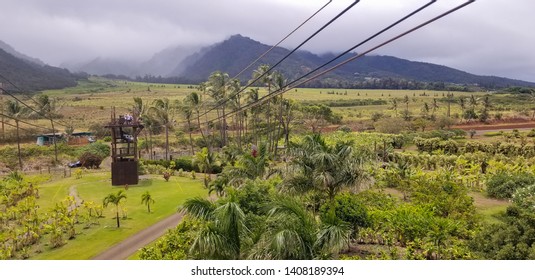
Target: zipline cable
{"points": [[282, 40], [224, 101], [273, 94]]}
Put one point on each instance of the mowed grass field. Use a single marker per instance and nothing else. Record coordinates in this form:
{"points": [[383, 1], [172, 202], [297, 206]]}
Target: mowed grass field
{"points": [[94, 187]]}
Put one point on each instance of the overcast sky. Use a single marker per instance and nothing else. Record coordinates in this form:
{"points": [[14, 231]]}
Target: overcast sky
{"points": [[488, 37]]}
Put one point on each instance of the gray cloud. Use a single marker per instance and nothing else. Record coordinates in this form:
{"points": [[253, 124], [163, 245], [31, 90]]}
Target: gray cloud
{"points": [[490, 37]]}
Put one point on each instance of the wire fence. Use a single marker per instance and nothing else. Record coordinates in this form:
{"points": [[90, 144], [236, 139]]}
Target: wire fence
{"points": [[54, 172]]}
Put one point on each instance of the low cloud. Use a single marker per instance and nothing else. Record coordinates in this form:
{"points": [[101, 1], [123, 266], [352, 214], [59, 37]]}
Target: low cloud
{"points": [[490, 37]]}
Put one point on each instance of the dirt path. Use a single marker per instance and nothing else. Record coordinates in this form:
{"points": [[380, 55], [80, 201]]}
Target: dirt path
{"points": [[130, 245]]}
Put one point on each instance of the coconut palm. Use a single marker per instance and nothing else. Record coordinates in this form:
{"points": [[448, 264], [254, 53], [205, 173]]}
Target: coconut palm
{"points": [[14, 110], [217, 89], [146, 198], [187, 112], [140, 110], [222, 229], [279, 83], [252, 96], [115, 198], [262, 77], [194, 102], [234, 89]]}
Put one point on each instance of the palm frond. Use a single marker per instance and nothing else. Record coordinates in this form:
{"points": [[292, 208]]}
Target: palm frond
{"points": [[198, 208]]}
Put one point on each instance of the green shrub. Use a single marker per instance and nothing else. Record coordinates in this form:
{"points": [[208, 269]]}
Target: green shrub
{"points": [[98, 148], [347, 208], [503, 185]]}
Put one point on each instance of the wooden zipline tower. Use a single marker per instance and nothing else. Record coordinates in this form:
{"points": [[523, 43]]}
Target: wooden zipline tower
{"points": [[124, 155]]}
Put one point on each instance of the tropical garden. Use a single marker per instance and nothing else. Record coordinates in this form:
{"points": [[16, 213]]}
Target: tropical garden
{"points": [[303, 174]]}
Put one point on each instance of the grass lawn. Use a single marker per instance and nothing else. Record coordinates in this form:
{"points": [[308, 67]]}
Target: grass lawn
{"points": [[489, 209], [94, 187]]}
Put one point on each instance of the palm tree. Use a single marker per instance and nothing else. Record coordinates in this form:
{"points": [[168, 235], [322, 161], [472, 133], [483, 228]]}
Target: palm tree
{"points": [[462, 104], [147, 199], [323, 168], [279, 83], [263, 77], [249, 166], [140, 110], [252, 97], [434, 106], [162, 110], [223, 227], [233, 88], [473, 101], [406, 100], [47, 108], [187, 111], [394, 107], [14, 110], [114, 198], [193, 100], [204, 159], [333, 235], [290, 234], [217, 88]]}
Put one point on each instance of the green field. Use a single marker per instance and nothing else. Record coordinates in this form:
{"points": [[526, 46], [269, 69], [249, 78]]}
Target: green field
{"points": [[94, 187]]}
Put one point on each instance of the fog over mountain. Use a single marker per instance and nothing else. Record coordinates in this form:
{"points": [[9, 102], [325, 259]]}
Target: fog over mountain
{"points": [[489, 37]]}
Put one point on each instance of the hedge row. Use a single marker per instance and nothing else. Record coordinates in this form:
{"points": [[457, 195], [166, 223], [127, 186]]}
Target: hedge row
{"points": [[184, 163]]}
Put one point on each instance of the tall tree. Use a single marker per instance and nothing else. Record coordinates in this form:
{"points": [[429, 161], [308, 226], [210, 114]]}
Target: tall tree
{"points": [[162, 111], [205, 159], [434, 106], [47, 108], [394, 103], [194, 101], [217, 88], [264, 78], [115, 199], [279, 83], [252, 97], [233, 90], [15, 111], [140, 110], [187, 111]]}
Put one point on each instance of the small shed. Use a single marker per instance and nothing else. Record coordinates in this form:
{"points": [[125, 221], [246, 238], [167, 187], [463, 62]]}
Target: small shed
{"points": [[80, 138], [48, 138]]}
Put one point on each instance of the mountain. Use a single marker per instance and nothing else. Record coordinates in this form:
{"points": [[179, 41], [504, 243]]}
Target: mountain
{"points": [[370, 71], [17, 54], [238, 52], [31, 76]]}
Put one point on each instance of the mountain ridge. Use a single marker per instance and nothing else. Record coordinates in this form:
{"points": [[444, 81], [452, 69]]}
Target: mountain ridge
{"points": [[30, 76], [238, 51]]}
